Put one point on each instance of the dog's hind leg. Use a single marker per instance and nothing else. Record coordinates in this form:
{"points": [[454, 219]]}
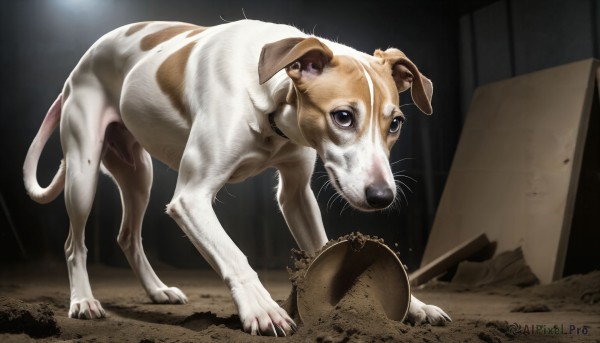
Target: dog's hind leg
{"points": [[131, 168], [84, 119]]}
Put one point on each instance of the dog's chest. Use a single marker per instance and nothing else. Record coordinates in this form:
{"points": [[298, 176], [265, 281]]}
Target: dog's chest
{"points": [[266, 153], [250, 165]]}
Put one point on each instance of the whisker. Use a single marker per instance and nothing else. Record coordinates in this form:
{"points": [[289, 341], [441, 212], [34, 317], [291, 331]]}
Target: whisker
{"points": [[406, 177], [216, 198], [405, 185], [392, 207], [336, 199], [332, 200], [329, 201], [229, 193], [399, 188], [398, 173], [397, 204], [346, 206], [223, 19], [402, 159], [321, 177], [324, 186]]}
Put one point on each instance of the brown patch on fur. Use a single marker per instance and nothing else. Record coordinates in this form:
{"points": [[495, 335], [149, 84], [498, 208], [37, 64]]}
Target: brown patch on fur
{"points": [[171, 75], [385, 93], [152, 40], [317, 97], [407, 75], [136, 27], [366, 124]]}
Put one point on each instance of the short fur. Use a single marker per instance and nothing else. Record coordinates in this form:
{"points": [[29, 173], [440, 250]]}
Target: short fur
{"points": [[198, 99]]}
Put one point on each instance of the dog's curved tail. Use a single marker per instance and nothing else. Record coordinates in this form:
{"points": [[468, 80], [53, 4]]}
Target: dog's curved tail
{"points": [[35, 191]]}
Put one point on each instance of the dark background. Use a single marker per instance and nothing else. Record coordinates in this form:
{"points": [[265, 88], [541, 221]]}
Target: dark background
{"points": [[458, 44]]}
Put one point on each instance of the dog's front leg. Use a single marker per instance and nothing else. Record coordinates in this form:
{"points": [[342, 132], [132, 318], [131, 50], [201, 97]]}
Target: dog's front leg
{"points": [[298, 204], [259, 313], [302, 214], [192, 209], [419, 313]]}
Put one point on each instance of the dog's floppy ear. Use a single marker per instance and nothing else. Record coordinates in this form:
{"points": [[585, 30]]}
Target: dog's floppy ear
{"points": [[302, 57], [406, 75]]}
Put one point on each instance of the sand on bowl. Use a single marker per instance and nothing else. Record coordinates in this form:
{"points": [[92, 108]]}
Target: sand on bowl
{"points": [[349, 279]]}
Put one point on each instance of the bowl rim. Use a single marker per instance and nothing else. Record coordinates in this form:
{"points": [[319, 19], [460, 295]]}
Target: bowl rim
{"points": [[378, 243]]}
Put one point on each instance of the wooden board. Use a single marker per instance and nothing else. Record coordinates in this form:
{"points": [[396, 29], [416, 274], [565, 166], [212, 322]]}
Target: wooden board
{"points": [[448, 260], [516, 167]]}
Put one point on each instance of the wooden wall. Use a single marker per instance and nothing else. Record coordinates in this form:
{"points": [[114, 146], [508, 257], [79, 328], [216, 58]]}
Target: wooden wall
{"points": [[514, 37]]}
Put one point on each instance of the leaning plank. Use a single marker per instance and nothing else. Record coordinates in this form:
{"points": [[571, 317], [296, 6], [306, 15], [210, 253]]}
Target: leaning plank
{"points": [[448, 260], [516, 168]]}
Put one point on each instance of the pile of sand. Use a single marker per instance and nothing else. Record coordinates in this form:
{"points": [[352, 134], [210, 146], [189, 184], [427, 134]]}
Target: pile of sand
{"points": [[345, 320], [585, 288], [36, 320], [480, 314]]}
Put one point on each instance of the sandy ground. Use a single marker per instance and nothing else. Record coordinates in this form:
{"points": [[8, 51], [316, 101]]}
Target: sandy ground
{"points": [[572, 311]]}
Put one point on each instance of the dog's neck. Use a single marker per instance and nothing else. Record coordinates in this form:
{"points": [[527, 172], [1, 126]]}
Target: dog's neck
{"points": [[274, 125], [285, 117], [286, 120]]}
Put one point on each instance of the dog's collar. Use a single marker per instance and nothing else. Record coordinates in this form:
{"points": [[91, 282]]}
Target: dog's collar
{"points": [[274, 126]]}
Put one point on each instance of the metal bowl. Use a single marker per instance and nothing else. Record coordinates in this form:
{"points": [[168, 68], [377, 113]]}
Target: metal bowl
{"points": [[337, 268]]}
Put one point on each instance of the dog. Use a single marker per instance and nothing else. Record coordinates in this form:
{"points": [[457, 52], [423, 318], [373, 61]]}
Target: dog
{"points": [[220, 104]]}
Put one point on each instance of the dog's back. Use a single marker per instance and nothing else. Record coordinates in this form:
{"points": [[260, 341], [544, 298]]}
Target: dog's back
{"points": [[151, 60]]}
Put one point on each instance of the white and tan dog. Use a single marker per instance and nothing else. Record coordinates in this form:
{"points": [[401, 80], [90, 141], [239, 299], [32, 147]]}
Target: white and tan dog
{"points": [[221, 104]]}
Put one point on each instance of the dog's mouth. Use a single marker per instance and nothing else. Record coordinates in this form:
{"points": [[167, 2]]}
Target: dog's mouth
{"points": [[334, 179], [355, 198]]}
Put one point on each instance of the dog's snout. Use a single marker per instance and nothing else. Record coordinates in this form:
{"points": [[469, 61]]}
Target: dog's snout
{"points": [[379, 196]]}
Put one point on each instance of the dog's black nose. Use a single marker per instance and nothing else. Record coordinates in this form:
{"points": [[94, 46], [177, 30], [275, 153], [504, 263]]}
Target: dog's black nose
{"points": [[379, 196]]}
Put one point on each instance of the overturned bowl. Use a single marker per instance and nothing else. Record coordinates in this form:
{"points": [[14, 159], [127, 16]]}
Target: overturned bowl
{"points": [[349, 267]]}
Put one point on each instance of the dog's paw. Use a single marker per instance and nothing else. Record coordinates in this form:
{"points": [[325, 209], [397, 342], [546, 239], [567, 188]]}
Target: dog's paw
{"points": [[259, 313], [420, 313], [86, 309], [168, 295]]}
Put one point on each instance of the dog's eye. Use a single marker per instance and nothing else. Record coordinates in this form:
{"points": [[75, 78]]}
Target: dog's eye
{"points": [[343, 119], [395, 126]]}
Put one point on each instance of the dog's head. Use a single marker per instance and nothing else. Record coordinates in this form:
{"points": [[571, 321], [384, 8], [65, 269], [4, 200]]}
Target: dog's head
{"points": [[348, 110]]}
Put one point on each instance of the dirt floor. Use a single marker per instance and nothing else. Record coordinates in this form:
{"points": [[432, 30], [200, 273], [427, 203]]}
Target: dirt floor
{"points": [[34, 299]]}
